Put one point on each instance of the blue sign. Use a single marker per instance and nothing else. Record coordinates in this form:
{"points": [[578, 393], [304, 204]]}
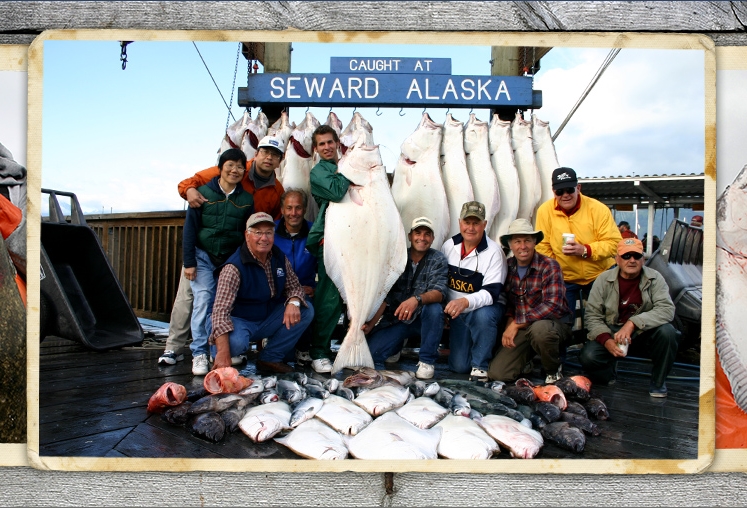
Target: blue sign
{"points": [[388, 65], [389, 90]]}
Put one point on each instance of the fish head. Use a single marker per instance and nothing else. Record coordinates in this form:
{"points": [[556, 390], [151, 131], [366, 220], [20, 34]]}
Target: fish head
{"points": [[425, 139], [582, 382], [475, 134], [334, 122]]}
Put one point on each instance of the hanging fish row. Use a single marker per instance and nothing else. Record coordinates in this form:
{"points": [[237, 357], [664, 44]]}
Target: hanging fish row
{"points": [[386, 414]]}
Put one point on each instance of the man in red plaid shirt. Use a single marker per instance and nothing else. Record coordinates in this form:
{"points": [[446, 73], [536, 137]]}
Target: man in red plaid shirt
{"points": [[536, 304]]}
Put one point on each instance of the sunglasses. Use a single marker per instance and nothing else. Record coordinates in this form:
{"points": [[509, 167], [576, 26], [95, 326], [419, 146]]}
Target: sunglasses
{"points": [[565, 190], [634, 255]]}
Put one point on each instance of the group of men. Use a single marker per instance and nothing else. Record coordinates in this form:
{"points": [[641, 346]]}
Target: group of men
{"points": [[500, 311]]}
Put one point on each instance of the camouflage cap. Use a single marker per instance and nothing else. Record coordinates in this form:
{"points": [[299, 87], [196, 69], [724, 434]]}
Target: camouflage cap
{"points": [[472, 209]]}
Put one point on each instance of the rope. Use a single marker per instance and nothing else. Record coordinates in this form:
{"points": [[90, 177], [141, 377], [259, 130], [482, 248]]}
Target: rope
{"points": [[233, 85], [607, 61], [216, 84]]}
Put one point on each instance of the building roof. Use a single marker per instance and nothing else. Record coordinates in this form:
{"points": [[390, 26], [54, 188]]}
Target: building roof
{"points": [[665, 190]]}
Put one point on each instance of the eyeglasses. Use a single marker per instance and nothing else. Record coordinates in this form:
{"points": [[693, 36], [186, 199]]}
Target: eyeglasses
{"points": [[634, 255], [260, 234], [269, 153], [565, 190]]}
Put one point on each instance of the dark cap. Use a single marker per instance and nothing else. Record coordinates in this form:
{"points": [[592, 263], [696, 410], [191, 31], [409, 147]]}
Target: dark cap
{"points": [[472, 209], [563, 178]]}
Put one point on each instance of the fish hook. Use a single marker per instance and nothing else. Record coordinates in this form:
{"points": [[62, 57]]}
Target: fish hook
{"points": [[378, 113], [307, 109], [354, 108], [470, 110], [330, 109], [400, 111], [424, 110]]}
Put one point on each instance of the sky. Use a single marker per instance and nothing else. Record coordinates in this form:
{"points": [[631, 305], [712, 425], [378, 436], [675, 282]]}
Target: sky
{"points": [[121, 140]]}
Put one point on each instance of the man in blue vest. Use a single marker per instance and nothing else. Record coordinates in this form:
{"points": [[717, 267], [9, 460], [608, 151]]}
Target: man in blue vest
{"points": [[258, 296], [291, 232]]}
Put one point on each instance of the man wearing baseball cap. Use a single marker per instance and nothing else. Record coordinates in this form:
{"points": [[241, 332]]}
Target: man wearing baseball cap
{"points": [[592, 250], [536, 306], [413, 305], [258, 296], [477, 271], [630, 306]]}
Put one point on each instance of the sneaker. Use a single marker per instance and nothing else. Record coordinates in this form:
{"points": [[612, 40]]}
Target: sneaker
{"points": [[303, 356], [658, 392], [551, 378], [170, 358], [425, 371], [478, 375], [235, 360], [395, 358], [322, 365], [200, 365]]}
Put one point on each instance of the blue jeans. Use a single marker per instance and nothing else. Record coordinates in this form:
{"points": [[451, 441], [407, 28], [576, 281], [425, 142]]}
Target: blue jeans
{"points": [[203, 291], [429, 325], [281, 339], [574, 292], [472, 337]]}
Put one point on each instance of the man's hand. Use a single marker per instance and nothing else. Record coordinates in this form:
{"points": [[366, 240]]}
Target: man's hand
{"points": [[455, 307], [611, 346], [194, 198], [406, 309], [308, 290], [223, 354], [292, 315], [190, 273], [509, 334], [574, 249], [625, 334], [368, 326]]}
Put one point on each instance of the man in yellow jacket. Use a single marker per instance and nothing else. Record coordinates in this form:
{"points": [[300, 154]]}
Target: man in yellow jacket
{"points": [[593, 246]]}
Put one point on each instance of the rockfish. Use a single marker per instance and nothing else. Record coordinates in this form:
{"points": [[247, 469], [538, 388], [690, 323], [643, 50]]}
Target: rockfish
{"points": [[225, 380], [169, 394]]}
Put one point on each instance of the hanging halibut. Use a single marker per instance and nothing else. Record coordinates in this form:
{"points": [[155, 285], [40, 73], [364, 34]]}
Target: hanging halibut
{"points": [[298, 161], [255, 131], [731, 277], [545, 155], [480, 168], [282, 129], [364, 248], [454, 171], [235, 132], [358, 132], [529, 177], [417, 187], [502, 157]]}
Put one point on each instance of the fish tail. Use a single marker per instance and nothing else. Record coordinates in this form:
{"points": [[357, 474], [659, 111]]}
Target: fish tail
{"points": [[354, 350]]}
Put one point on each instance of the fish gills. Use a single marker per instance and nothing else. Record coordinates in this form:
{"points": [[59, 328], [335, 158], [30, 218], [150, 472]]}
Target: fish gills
{"points": [[365, 249], [502, 158], [169, 394], [454, 171], [480, 167]]}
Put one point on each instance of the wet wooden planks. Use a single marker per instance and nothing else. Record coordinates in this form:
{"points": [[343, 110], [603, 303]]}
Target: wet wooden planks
{"points": [[94, 404]]}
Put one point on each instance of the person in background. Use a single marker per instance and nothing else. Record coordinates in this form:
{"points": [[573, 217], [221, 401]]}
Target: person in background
{"points": [[625, 231], [536, 306], [697, 221], [596, 235], [477, 271], [259, 181], [258, 296], [630, 307], [413, 305], [291, 233], [212, 233]]}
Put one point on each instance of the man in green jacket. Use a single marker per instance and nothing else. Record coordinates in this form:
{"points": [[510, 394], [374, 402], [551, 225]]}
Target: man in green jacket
{"points": [[326, 185], [630, 306]]}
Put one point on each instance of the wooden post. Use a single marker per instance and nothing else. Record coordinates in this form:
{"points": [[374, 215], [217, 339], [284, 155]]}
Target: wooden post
{"points": [[276, 58]]}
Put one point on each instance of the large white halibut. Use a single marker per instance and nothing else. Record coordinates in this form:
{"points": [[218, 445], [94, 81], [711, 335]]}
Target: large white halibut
{"points": [[364, 248], [255, 130], [480, 168], [454, 171], [417, 187], [502, 157], [298, 161], [526, 166], [545, 155]]}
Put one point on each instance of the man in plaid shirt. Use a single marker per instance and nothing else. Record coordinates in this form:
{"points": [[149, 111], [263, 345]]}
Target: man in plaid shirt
{"points": [[536, 305], [258, 296]]}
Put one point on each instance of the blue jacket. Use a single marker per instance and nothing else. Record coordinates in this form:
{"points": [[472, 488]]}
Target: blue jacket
{"points": [[303, 263]]}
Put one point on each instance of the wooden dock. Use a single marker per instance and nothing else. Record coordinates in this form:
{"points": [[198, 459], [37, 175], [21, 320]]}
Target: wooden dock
{"points": [[93, 404]]}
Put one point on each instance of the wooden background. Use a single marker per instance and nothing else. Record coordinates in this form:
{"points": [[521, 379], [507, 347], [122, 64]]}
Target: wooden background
{"points": [[20, 22]]}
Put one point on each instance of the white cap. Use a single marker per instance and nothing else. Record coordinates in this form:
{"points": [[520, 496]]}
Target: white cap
{"points": [[272, 142]]}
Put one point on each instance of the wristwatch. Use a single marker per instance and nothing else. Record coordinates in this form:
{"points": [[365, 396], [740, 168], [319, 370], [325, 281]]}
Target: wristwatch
{"points": [[295, 302], [584, 255], [419, 299]]}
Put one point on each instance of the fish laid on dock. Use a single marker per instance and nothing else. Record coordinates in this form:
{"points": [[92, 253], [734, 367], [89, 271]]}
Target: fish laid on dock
{"points": [[391, 437], [462, 438], [313, 439], [169, 394]]}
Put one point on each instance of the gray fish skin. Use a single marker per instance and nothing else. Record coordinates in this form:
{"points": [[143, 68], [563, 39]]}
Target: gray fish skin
{"points": [[296, 377], [289, 391], [521, 394], [580, 422], [474, 415], [345, 392], [444, 396], [417, 388], [576, 408], [571, 390], [525, 410], [314, 382], [209, 426], [550, 412], [537, 420], [197, 394], [177, 415], [270, 381], [596, 409], [305, 410], [257, 386], [316, 391], [269, 396], [496, 386], [459, 405], [431, 389], [218, 402], [232, 417], [565, 436], [331, 384], [478, 390]]}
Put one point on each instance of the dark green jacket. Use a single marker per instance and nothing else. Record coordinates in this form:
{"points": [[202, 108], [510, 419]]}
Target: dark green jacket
{"points": [[326, 185]]}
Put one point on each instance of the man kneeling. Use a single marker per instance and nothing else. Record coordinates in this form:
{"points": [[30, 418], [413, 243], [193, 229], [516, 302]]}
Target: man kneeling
{"points": [[536, 304], [258, 296], [630, 302]]}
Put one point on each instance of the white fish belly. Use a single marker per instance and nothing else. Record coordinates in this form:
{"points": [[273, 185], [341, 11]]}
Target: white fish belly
{"points": [[390, 437], [314, 439], [526, 166], [521, 441], [545, 155], [422, 412], [480, 168], [343, 416], [263, 422], [378, 401], [456, 179], [502, 158], [463, 439]]}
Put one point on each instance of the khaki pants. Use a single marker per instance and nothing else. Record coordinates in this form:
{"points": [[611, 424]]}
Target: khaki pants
{"points": [[181, 316], [541, 337]]}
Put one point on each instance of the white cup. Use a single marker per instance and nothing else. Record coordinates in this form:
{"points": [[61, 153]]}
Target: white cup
{"points": [[568, 237], [624, 348]]}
